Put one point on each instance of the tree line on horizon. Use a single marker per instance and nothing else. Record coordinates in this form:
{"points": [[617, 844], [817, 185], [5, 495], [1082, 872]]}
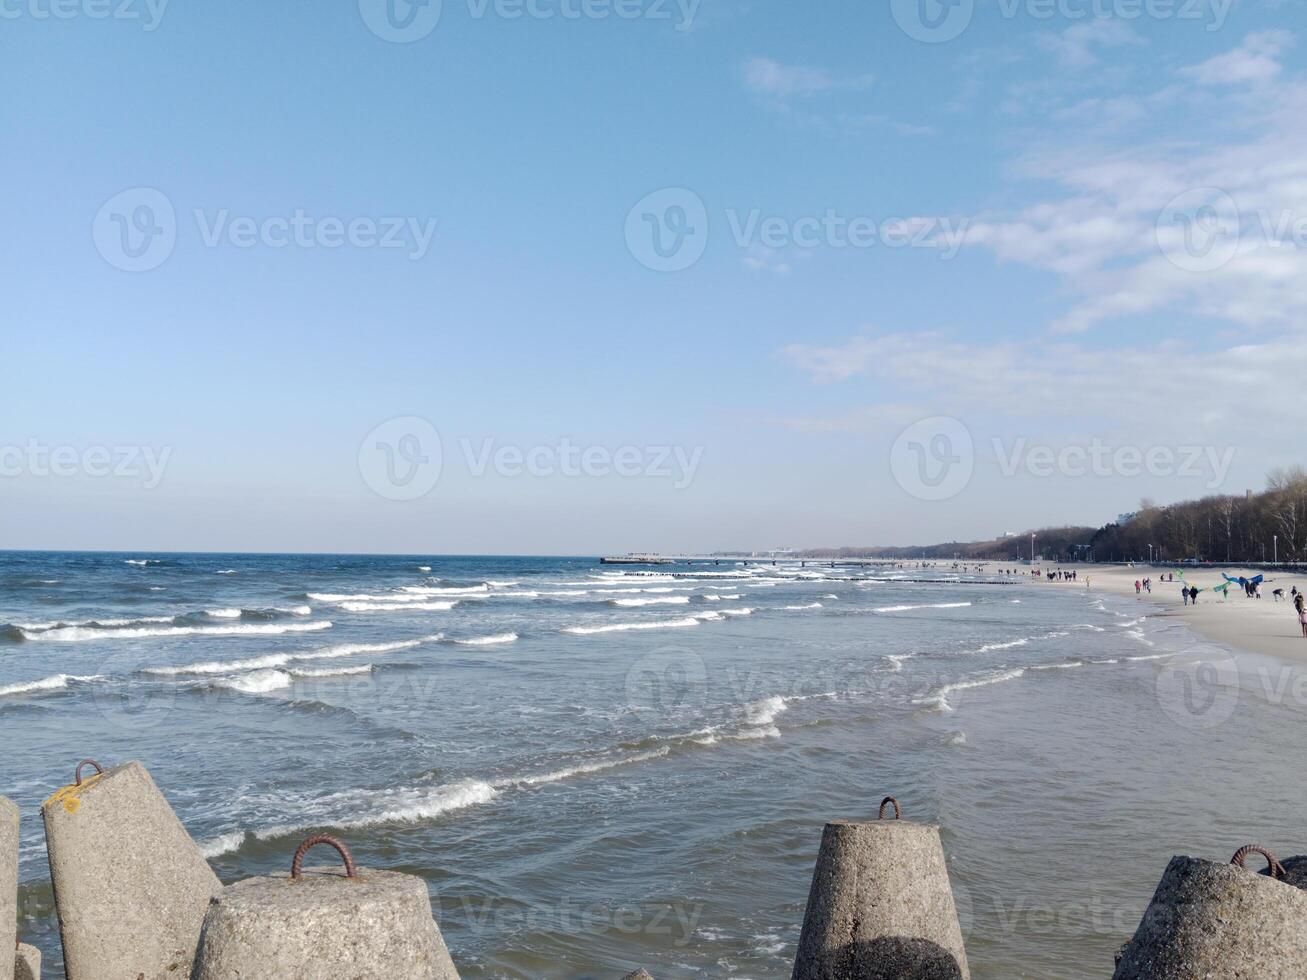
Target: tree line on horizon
{"points": [[1249, 528]]}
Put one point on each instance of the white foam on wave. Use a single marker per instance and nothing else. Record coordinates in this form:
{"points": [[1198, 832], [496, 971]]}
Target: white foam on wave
{"points": [[55, 682], [674, 600], [144, 561], [897, 659], [223, 613], [939, 698], [933, 605], [397, 606], [73, 634], [408, 805], [501, 584], [1009, 645], [487, 641], [719, 598], [331, 671], [430, 590], [660, 624], [256, 682], [582, 769], [743, 611], [424, 568], [223, 844], [227, 571], [281, 659], [811, 605]]}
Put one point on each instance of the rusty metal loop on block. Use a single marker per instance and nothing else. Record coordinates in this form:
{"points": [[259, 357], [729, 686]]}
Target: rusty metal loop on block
{"points": [[313, 842], [1274, 866], [82, 765], [889, 801]]}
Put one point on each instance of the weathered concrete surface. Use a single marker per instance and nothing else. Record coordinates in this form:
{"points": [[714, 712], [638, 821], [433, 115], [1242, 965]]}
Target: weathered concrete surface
{"points": [[1220, 921], [881, 907], [130, 885], [324, 926], [27, 963], [8, 885], [640, 974]]}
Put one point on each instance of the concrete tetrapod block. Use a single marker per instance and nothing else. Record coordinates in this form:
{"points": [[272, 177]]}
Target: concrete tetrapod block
{"points": [[8, 885], [130, 886], [27, 963], [1220, 921], [880, 907], [324, 924]]}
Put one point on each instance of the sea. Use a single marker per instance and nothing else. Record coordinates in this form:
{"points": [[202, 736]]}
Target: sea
{"points": [[601, 767]]}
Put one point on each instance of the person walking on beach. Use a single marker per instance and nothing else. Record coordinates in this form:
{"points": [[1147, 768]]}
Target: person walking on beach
{"points": [[1138, 586], [1193, 594], [1302, 621], [1185, 592]]}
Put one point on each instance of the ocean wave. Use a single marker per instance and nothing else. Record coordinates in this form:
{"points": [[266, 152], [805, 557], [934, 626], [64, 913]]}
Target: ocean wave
{"points": [[712, 597], [1009, 645], [73, 634], [581, 769], [745, 611], [811, 605], [424, 568], [484, 641], [430, 590], [281, 659], [225, 571], [331, 671], [675, 600], [397, 606], [9, 633], [659, 624], [256, 682], [939, 698], [55, 682], [142, 562], [222, 844], [933, 605]]}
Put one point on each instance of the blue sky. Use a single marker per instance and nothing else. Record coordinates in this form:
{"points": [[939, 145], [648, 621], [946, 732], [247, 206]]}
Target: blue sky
{"points": [[1043, 166]]}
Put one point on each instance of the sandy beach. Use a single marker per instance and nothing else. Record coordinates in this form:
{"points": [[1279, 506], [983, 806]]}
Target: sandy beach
{"points": [[1264, 626]]}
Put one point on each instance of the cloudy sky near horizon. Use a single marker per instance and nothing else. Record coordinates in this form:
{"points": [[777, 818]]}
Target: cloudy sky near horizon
{"points": [[545, 276]]}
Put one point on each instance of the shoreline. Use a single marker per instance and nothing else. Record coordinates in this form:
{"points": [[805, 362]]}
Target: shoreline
{"points": [[1258, 626]]}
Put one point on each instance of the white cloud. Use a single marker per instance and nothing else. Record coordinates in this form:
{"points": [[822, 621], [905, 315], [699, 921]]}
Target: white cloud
{"points": [[1167, 391], [769, 78], [1255, 62], [1075, 46], [1111, 230]]}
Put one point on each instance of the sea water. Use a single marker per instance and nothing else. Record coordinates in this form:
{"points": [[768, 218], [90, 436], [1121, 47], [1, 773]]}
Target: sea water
{"points": [[602, 767]]}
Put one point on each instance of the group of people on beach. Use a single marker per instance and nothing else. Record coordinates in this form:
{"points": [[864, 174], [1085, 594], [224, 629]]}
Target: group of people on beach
{"points": [[1146, 585]]}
